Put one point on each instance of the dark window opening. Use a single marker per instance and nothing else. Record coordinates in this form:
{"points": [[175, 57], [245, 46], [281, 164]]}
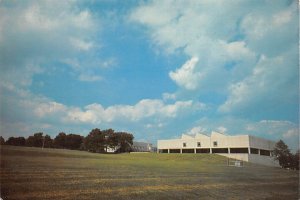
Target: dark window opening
{"points": [[163, 150], [264, 152], [202, 151], [215, 143], [174, 150], [220, 150], [187, 150], [184, 144], [198, 144], [238, 150], [254, 151]]}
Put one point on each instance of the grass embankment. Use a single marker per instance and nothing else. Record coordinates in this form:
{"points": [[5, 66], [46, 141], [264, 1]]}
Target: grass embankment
{"points": [[32, 173]]}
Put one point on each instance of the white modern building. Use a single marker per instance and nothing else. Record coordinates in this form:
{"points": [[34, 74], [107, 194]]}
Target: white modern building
{"points": [[242, 147]]}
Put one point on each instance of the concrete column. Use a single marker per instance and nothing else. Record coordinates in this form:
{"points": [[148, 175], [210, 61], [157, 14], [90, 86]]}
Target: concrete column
{"points": [[210, 151], [258, 151], [229, 150], [195, 151], [180, 150], [249, 150], [168, 150]]}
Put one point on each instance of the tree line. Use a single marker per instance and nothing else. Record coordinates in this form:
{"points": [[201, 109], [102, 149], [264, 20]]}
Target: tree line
{"points": [[97, 140]]}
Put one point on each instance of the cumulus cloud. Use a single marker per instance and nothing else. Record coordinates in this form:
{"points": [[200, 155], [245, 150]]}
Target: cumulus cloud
{"points": [[271, 89], [169, 96], [221, 129], [186, 76], [195, 130], [292, 133], [33, 33], [270, 127], [245, 51], [97, 114], [26, 113]]}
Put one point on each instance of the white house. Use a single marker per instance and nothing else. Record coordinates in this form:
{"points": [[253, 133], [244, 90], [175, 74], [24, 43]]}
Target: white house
{"points": [[242, 147]]}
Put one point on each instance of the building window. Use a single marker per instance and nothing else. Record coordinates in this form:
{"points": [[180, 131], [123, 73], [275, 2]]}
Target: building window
{"points": [[238, 150], [264, 152], [219, 150], [215, 143], [253, 151], [198, 144], [184, 144]]}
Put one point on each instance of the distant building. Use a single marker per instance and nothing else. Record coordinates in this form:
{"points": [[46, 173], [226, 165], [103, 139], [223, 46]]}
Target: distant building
{"points": [[112, 149], [242, 147], [142, 147]]}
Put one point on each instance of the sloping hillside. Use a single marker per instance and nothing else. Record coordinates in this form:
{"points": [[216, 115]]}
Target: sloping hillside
{"points": [[33, 173]]}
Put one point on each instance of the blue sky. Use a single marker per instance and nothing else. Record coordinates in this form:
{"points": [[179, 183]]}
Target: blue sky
{"points": [[154, 68]]}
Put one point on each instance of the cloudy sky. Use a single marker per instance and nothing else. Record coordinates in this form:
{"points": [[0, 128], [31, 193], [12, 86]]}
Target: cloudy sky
{"points": [[155, 68]]}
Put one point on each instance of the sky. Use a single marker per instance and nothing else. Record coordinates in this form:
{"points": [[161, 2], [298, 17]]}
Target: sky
{"points": [[156, 68]]}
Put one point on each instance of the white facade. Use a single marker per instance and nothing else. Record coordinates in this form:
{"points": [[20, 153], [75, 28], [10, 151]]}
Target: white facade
{"points": [[242, 147]]}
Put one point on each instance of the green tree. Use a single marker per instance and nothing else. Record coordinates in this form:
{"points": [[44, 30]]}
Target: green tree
{"points": [[2, 141], [283, 154], [16, 141], [37, 140], [295, 160], [95, 141], [47, 142], [73, 141], [60, 140], [125, 141]]}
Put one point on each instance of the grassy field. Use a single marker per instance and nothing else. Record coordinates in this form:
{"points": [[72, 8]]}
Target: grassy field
{"points": [[33, 173]]}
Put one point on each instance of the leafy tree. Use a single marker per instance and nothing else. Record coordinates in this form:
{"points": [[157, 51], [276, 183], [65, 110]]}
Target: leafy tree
{"points": [[60, 140], [37, 140], [283, 154], [125, 141], [47, 142], [112, 140], [16, 141], [2, 141], [73, 141], [295, 160], [30, 141], [95, 141]]}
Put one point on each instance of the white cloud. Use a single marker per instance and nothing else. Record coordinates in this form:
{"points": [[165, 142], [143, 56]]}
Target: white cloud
{"points": [[275, 128], [146, 108], [168, 96], [89, 78], [80, 44], [156, 125], [45, 108], [33, 33], [221, 129], [195, 130], [227, 40], [271, 87], [292, 133], [282, 18], [20, 107], [198, 30], [259, 27], [186, 76]]}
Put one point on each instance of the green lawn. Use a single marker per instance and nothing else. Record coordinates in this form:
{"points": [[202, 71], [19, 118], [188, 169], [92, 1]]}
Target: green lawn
{"points": [[33, 173]]}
